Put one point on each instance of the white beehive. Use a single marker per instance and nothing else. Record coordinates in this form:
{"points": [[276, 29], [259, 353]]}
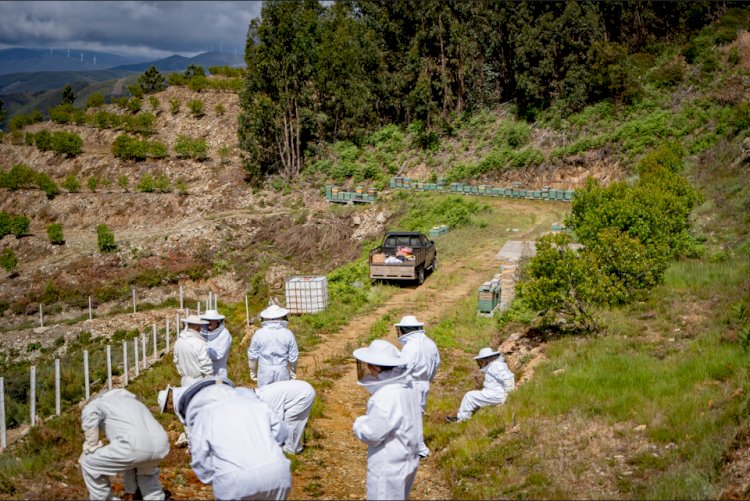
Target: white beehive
{"points": [[306, 294]]}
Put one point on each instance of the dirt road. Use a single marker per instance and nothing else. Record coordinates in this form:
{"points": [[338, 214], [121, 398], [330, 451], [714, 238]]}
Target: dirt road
{"points": [[334, 464]]}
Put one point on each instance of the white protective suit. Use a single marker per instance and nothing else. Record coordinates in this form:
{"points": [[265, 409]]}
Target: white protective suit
{"points": [[273, 347], [424, 360], [219, 341], [391, 429], [234, 445], [191, 357], [291, 401], [137, 443], [498, 382]]}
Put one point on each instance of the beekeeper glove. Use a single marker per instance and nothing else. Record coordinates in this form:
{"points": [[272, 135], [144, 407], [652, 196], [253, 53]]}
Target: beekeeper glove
{"points": [[293, 369], [253, 368], [91, 440]]}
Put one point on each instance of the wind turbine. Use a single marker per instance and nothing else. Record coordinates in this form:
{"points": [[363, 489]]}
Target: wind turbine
{"points": [[81, 56]]}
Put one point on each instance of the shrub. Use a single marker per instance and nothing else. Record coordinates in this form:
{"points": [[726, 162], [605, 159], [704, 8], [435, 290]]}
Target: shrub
{"points": [[93, 183], [8, 260], [194, 70], [122, 182], [176, 79], [95, 100], [55, 234], [146, 183], [67, 143], [196, 108], [181, 186], [174, 104], [151, 80], [186, 147], [157, 149], [134, 104], [136, 90], [513, 133], [21, 120], [154, 102], [162, 184], [224, 153], [13, 224], [72, 184], [47, 185], [220, 110], [130, 148], [669, 74], [28, 139], [43, 140], [105, 239], [17, 177]]}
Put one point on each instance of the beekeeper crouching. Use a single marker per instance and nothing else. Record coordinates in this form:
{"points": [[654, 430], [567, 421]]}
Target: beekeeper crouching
{"points": [[272, 355], [191, 352], [219, 341], [393, 424], [137, 443], [498, 382], [291, 401], [423, 360], [234, 440]]}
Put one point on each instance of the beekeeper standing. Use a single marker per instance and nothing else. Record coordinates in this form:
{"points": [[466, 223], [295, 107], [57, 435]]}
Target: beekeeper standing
{"points": [[393, 424], [137, 443], [219, 341], [273, 349], [191, 352], [291, 401], [423, 360], [234, 440], [498, 382]]}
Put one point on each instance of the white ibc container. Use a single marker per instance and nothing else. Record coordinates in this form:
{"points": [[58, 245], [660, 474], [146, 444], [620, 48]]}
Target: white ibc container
{"points": [[306, 294]]}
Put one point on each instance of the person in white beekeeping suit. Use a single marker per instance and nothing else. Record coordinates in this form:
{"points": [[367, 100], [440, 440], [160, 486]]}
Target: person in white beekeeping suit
{"points": [[498, 382], [423, 361], [273, 352], [191, 352], [291, 401], [137, 443], [219, 341], [234, 440], [392, 426]]}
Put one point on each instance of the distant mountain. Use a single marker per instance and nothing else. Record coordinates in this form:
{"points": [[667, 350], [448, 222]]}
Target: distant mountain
{"points": [[20, 60], [179, 63], [15, 83]]}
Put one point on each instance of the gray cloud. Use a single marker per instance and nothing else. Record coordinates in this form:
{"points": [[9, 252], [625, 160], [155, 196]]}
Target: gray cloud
{"points": [[153, 29]]}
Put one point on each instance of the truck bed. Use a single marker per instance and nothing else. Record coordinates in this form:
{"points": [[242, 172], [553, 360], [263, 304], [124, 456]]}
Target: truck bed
{"points": [[406, 270]]}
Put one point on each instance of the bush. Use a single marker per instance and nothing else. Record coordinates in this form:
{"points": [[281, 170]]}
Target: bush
{"points": [[146, 183], [220, 110], [174, 104], [67, 143], [13, 224], [513, 133], [157, 149], [72, 184], [152, 81], [18, 122], [123, 182], [55, 234], [669, 74], [162, 184], [43, 140], [47, 185], [95, 100], [186, 147], [93, 183], [8, 260], [154, 102], [134, 104], [136, 90], [196, 108], [105, 239], [130, 148]]}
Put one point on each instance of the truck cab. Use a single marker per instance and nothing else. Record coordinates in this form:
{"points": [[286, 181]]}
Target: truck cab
{"points": [[403, 256]]}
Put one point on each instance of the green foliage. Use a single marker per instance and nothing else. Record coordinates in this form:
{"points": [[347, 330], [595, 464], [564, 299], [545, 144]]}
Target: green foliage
{"points": [[157, 149], [130, 148], [669, 74], [559, 283], [67, 143], [22, 176], [55, 233], [134, 104], [196, 108], [123, 182], [68, 96], [8, 260], [187, 147], [93, 183], [220, 110], [105, 239], [227, 71], [136, 91], [17, 225], [154, 102], [43, 140], [427, 211], [18, 122], [513, 133], [95, 100], [152, 81], [146, 183], [194, 70], [72, 184], [174, 104]]}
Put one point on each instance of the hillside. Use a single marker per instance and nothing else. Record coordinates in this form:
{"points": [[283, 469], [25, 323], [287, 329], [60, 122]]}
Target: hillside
{"points": [[653, 405]]}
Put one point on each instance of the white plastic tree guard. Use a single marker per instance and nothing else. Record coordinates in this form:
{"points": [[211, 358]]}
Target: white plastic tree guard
{"points": [[306, 294]]}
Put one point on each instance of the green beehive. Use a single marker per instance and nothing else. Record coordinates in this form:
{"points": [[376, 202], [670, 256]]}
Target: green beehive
{"points": [[516, 184], [553, 194], [475, 189], [329, 191], [522, 193], [569, 195], [545, 195], [441, 181], [536, 195], [466, 188]]}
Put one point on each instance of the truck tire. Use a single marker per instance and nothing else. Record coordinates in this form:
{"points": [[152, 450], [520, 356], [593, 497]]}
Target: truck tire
{"points": [[420, 275], [434, 267]]}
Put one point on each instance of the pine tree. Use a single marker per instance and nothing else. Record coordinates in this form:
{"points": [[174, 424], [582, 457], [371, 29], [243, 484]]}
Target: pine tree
{"points": [[152, 81], [68, 96]]}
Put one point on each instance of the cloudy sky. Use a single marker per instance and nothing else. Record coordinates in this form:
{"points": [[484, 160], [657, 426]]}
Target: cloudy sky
{"points": [[146, 29]]}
